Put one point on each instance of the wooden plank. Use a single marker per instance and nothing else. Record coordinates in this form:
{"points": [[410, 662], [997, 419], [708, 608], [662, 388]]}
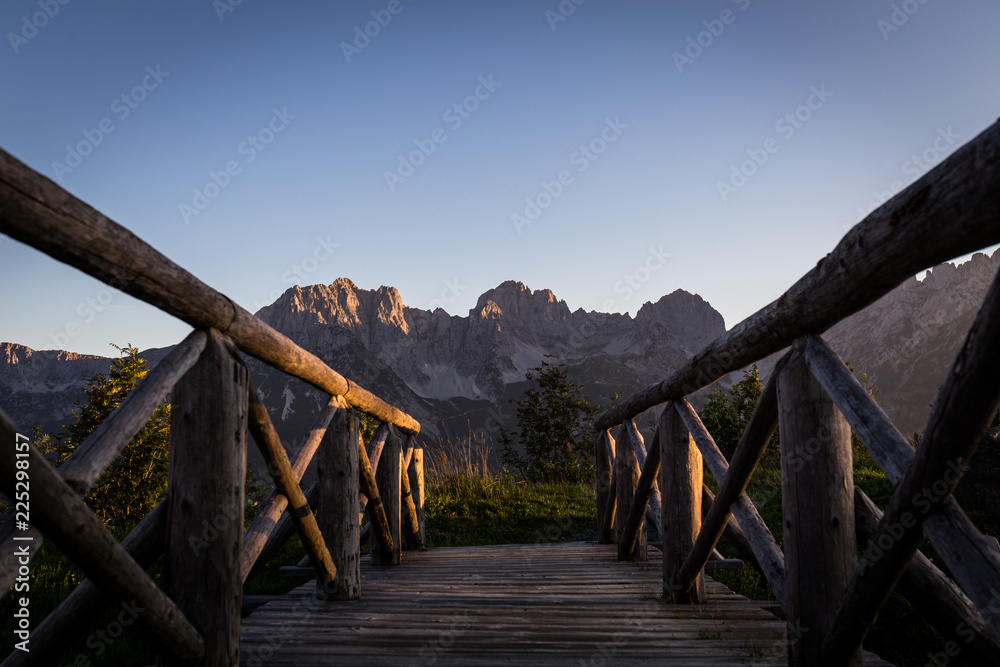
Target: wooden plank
{"points": [[287, 484], [680, 487], [817, 500], [961, 415], [555, 604], [968, 553], [65, 519], [932, 592], [337, 473], [36, 211], [206, 475], [907, 234], [388, 481]]}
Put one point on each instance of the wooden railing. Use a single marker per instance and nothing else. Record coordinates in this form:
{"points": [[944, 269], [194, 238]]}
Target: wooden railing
{"points": [[830, 596], [195, 616]]}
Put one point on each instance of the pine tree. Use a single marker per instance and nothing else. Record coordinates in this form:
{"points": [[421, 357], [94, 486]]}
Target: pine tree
{"points": [[137, 479], [554, 422]]}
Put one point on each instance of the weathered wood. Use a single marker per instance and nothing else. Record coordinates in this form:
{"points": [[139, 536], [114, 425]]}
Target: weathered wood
{"points": [[732, 486], [83, 467], [635, 522], [270, 512], [65, 519], [932, 592], [287, 484], [603, 461], [388, 481], [36, 211], [908, 235], [87, 601], [415, 472], [961, 546], [283, 529], [768, 553], [408, 507], [207, 471], [630, 547], [738, 539], [338, 474], [606, 530], [639, 446], [817, 487], [961, 415], [375, 507], [545, 605], [680, 489], [374, 454]]}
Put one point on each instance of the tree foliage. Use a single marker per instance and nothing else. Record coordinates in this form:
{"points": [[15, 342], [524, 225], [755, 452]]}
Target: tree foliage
{"points": [[726, 414], [554, 428], [136, 480]]}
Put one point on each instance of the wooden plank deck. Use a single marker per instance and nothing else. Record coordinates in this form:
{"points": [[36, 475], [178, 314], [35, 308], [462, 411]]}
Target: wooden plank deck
{"points": [[557, 604]]}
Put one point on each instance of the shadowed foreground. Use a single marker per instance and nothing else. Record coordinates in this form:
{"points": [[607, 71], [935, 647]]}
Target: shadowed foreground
{"points": [[553, 604]]}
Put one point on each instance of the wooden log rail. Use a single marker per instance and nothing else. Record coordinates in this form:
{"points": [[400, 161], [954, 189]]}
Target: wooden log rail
{"points": [[194, 618], [818, 579]]}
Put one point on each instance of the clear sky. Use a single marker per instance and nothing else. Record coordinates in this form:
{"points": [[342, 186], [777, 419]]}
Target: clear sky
{"points": [[576, 147]]}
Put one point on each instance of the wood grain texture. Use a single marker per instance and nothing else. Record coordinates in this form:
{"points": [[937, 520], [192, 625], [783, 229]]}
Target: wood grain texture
{"points": [[950, 211], [205, 487], [269, 515], [630, 547], [968, 554], [680, 488], [337, 473], [930, 590], [604, 459], [387, 479], [817, 500], [767, 552], [564, 604], [959, 419], [62, 516], [36, 211], [287, 484]]}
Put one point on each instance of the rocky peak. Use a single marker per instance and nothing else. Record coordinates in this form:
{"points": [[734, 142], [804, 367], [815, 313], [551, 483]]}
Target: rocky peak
{"points": [[688, 316], [515, 301]]}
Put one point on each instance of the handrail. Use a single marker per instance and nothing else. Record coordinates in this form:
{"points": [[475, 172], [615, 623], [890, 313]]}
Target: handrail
{"points": [[36, 211], [818, 401], [909, 236]]}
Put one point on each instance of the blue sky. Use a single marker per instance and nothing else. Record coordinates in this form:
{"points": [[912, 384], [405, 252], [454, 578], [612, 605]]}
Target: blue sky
{"points": [[265, 144]]}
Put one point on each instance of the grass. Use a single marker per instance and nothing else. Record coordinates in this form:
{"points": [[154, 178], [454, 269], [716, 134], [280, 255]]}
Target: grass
{"points": [[471, 502]]}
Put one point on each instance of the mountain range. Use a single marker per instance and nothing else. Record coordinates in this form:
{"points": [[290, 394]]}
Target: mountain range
{"points": [[457, 373]]}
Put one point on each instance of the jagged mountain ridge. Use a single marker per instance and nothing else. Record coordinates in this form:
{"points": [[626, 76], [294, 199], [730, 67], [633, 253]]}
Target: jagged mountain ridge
{"points": [[509, 331]]}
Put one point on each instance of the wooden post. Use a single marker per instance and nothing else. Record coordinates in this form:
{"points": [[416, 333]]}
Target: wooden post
{"points": [[387, 478], [415, 471], [817, 486], [680, 501], [208, 424], [604, 461], [337, 476], [627, 480]]}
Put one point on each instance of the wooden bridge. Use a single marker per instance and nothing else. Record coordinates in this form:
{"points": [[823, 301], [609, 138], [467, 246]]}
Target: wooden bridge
{"points": [[543, 605]]}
